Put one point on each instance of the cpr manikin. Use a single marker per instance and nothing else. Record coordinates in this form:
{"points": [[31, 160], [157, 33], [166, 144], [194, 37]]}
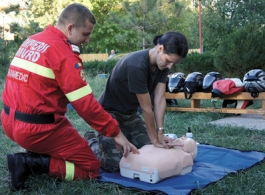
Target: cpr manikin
{"points": [[155, 164]]}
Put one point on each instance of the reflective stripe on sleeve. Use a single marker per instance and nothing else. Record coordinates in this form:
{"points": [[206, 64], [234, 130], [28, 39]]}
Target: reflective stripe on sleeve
{"points": [[79, 93], [33, 67], [69, 171]]}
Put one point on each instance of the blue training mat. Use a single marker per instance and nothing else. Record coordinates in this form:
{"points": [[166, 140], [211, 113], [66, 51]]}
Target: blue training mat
{"points": [[212, 163]]}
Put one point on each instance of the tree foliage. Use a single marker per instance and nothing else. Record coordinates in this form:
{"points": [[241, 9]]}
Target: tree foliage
{"points": [[105, 29], [234, 30], [241, 51], [7, 46], [142, 20], [185, 20], [223, 17], [121, 25], [45, 12]]}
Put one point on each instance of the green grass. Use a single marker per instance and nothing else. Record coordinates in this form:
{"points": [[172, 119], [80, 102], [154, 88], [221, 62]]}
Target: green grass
{"points": [[246, 182]]}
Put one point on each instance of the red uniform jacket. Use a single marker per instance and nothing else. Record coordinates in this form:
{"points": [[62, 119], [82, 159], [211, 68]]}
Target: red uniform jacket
{"points": [[46, 74]]}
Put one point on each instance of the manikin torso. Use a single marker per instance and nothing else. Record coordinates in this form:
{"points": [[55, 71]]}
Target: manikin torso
{"points": [[169, 162]]}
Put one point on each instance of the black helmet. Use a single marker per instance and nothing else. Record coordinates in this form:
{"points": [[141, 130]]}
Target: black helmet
{"points": [[176, 82], [208, 80], [254, 82], [193, 83]]}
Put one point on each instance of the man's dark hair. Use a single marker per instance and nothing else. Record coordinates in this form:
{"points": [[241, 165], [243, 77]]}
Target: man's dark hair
{"points": [[173, 42]]}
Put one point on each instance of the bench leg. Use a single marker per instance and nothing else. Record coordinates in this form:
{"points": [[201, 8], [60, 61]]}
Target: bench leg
{"points": [[263, 108], [195, 103]]}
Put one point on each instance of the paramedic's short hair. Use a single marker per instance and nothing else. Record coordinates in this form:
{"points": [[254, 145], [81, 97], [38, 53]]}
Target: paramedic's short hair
{"points": [[76, 14]]}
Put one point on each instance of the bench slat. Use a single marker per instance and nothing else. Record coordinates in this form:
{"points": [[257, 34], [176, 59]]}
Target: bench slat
{"points": [[222, 110], [197, 96], [202, 95]]}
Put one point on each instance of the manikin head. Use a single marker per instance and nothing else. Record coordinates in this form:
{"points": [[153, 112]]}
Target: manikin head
{"points": [[187, 145]]}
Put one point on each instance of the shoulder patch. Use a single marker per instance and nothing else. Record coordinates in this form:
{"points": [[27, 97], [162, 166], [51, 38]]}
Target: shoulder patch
{"points": [[82, 74], [78, 65], [75, 49]]}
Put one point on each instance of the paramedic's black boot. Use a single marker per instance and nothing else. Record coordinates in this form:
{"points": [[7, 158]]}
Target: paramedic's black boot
{"points": [[21, 165], [90, 136]]}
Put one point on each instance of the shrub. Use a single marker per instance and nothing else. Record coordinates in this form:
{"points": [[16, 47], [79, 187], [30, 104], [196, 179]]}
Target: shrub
{"points": [[95, 67], [241, 51], [195, 62], [110, 65]]}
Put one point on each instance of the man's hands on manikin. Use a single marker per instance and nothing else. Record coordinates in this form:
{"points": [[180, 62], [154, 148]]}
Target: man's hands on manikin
{"points": [[165, 142], [122, 142]]}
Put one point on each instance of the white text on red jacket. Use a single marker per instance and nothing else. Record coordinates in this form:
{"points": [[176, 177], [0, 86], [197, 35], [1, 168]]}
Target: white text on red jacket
{"points": [[18, 75], [30, 50]]}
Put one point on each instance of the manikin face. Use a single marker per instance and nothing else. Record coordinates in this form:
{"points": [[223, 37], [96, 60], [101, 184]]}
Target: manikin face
{"points": [[164, 61], [187, 145], [80, 35]]}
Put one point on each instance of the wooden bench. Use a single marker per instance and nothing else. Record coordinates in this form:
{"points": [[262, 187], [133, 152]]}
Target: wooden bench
{"points": [[195, 103]]}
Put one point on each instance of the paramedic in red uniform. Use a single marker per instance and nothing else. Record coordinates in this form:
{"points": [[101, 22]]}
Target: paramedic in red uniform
{"points": [[44, 76]]}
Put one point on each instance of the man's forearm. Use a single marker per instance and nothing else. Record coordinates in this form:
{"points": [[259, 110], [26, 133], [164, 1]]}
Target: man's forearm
{"points": [[150, 126]]}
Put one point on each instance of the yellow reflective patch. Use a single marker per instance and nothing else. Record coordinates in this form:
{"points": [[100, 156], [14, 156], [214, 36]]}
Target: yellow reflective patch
{"points": [[69, 171], [79, 93], [33, 67]]}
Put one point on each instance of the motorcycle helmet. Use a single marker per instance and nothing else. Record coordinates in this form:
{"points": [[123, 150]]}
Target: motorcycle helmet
{"points": [[193, 83], [254, 82], [208, 80], [176, 82]]}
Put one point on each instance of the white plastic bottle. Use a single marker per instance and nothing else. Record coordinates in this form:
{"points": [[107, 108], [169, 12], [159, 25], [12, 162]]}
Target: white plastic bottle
{"points": [[189, 133]]}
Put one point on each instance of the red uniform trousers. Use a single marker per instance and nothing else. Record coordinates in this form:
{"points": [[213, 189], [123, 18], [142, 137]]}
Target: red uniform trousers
{"points": [[60, 140]]}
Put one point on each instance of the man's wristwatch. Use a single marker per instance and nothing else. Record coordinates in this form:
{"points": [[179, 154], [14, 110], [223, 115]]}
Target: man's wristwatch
{"points": [[160, 129]]}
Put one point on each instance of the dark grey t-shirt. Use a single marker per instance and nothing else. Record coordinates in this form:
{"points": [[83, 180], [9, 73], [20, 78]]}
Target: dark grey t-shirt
{"points": [[132, 75]]}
